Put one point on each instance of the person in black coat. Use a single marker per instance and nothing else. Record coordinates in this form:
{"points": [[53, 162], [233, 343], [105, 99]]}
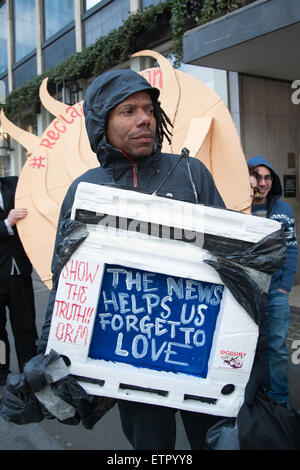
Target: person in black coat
{"points": [[126, 127], [16, 290]]}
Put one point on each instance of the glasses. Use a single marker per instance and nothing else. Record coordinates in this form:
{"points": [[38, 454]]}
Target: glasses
{"points": [[266, 178]]}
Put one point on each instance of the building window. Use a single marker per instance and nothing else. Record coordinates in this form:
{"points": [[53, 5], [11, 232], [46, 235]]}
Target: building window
{"points": [[57, 14], [90, 3], [3, 38], [24, 28], [105, 19]]}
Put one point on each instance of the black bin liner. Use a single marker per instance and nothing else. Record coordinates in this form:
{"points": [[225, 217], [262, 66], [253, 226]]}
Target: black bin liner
{"points": [[267, 425], [245, 270], [239, 269], [22, 402]]}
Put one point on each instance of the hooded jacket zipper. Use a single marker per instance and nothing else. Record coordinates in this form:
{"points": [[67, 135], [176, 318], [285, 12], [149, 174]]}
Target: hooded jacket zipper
{"points": [[134, 175], [134, 169]]}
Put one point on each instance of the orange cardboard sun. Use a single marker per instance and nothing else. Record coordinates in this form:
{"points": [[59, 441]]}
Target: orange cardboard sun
{"points": [[201, 122]]}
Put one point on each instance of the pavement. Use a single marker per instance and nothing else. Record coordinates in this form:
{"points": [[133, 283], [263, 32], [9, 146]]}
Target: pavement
{"points": [[107, 433]]}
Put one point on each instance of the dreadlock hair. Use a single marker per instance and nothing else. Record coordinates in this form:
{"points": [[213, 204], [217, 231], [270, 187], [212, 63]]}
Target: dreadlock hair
{"points": [[162, 122]]}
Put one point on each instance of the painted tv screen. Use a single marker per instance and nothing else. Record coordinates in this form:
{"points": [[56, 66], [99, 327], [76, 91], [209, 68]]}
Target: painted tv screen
{"points": [[155, 321]]}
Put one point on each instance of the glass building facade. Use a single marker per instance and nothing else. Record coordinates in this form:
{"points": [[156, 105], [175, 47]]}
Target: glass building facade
{"points": [[24, 28], [111, 16], [90, 4], [37, 35], [3, 38], [57, 14]]}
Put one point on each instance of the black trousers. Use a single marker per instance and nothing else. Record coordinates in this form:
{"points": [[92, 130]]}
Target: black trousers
{"points": [[152, 427], [17, 295]]}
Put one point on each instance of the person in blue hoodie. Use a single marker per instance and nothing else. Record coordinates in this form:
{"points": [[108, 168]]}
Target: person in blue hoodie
{"points": [[268, 203]]}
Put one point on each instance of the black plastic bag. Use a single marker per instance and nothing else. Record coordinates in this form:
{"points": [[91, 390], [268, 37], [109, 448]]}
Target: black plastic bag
{"points": [[266, 425], [18, 404], [263, 425], [88, 407], [243, 269], [267, 255], [47, 390], [243, 287]]}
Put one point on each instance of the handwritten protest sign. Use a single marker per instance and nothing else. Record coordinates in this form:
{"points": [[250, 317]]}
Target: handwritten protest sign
{"points": [[156, 321], [75, 303]]}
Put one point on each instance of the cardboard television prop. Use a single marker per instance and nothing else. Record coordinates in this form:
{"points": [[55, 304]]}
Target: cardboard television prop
{"points": [[140, 314]]}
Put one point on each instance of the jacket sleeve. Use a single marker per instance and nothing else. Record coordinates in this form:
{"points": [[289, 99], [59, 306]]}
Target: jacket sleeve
{"points": [[10, 188], [64, 212], [289, 269], [4, 233]]}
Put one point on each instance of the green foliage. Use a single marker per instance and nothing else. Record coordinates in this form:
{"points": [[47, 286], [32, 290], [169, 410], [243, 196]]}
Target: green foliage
{"points": [[118, 45]]}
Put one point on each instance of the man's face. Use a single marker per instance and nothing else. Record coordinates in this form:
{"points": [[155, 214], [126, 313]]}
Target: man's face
{"points": [[131, 125], [264, 184]]}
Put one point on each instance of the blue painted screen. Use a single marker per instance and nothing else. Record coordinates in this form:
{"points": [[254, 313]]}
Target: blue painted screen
{"points": [[155, 321]]}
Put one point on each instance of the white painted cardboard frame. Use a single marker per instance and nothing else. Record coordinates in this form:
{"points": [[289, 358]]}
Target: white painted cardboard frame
{"points": [[235, 331]]}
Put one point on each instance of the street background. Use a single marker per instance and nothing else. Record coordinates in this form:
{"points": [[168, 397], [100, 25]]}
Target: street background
{"points": [[107, 434]]}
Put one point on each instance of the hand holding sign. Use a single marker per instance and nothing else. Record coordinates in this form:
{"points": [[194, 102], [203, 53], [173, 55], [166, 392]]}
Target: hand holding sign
{"points": [[15, 215]]}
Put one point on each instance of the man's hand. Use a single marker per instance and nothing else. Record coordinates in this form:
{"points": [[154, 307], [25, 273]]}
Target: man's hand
{"points": [[15, 215]]}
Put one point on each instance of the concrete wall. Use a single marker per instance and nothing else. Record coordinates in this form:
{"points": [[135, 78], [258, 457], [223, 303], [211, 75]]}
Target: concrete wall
{"points": [[270, 126]]}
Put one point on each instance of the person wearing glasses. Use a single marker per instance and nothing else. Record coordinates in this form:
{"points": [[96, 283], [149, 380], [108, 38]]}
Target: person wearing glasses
{"points": [[268, 203]]}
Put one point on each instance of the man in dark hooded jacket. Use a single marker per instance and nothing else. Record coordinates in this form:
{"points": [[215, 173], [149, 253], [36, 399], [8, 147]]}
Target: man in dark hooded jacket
{"points": [[126, 127], [268, 203]]}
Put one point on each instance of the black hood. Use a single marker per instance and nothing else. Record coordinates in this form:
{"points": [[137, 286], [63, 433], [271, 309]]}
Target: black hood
{"points": [[106, 92]]}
